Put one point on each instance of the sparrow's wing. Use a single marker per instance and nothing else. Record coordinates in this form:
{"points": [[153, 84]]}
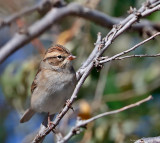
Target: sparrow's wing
{"points": [[34, 83]]}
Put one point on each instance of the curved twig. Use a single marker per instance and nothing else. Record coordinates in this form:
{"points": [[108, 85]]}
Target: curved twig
{"points": [[117, 56], [83, 123]]}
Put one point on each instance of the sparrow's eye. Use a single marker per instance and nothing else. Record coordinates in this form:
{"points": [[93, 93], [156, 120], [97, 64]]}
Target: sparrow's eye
{"points": [[59, 57]]}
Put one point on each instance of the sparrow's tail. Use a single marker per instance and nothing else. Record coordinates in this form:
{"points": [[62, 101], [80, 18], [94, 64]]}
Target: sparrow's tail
{"points": [[27, 115]]}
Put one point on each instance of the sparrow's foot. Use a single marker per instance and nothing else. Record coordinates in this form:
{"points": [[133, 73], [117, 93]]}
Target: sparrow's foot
{"points": [[50, 123], [68, 103]]}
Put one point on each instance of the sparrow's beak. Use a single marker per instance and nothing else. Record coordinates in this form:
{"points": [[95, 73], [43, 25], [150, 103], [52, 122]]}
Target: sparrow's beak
{"points": [[71, 57]]}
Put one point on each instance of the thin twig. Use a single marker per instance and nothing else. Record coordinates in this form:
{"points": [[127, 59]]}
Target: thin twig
{"points": [[117, 111], [129, 50], [83, 123], [133, 56]]}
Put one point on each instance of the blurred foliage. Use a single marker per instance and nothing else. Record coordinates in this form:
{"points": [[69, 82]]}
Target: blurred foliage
{"points": [[16, 81], [126, 81]]}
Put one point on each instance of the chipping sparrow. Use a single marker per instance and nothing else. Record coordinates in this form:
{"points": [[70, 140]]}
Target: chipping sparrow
{"points": [[53, 83]]}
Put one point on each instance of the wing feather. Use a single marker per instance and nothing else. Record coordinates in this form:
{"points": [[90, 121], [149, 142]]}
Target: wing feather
{"points": [[34, 83]]}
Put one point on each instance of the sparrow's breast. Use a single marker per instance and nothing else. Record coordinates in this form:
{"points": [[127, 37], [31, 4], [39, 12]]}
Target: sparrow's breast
{"points": [[53, 93]]}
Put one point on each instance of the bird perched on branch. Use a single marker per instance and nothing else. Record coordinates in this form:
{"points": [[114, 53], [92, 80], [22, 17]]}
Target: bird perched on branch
{"points": [[53, 83]]}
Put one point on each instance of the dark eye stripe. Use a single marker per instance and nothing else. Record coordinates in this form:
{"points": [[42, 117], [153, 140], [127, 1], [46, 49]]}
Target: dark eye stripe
{"points": [[48, 58], [59, 57]]}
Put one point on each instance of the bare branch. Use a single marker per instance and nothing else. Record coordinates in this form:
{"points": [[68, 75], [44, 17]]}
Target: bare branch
{"points": [[44, 5], [133, 56], [129, 50], [92, 15], [83, 123], [56, 14], [115, 32], [149, 140]]}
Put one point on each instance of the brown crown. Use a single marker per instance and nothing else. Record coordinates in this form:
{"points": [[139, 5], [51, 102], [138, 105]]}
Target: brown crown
{"points": [[55, 50], [58, 48]]}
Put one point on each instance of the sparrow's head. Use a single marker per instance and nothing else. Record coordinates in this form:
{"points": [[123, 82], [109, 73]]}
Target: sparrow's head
{"points": [[58, 56]]}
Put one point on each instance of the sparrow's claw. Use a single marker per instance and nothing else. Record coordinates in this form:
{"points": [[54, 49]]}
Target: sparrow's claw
{"points": [[50, 123], [68, 103]]}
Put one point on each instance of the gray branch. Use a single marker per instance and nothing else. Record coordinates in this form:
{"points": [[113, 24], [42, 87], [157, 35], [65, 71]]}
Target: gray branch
{"points": [[149, 140], [117, 56], [57, 14], [83, 123]]}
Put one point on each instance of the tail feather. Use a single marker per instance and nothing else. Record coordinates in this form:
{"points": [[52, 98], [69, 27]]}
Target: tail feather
{"points": [[27, 115]]}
